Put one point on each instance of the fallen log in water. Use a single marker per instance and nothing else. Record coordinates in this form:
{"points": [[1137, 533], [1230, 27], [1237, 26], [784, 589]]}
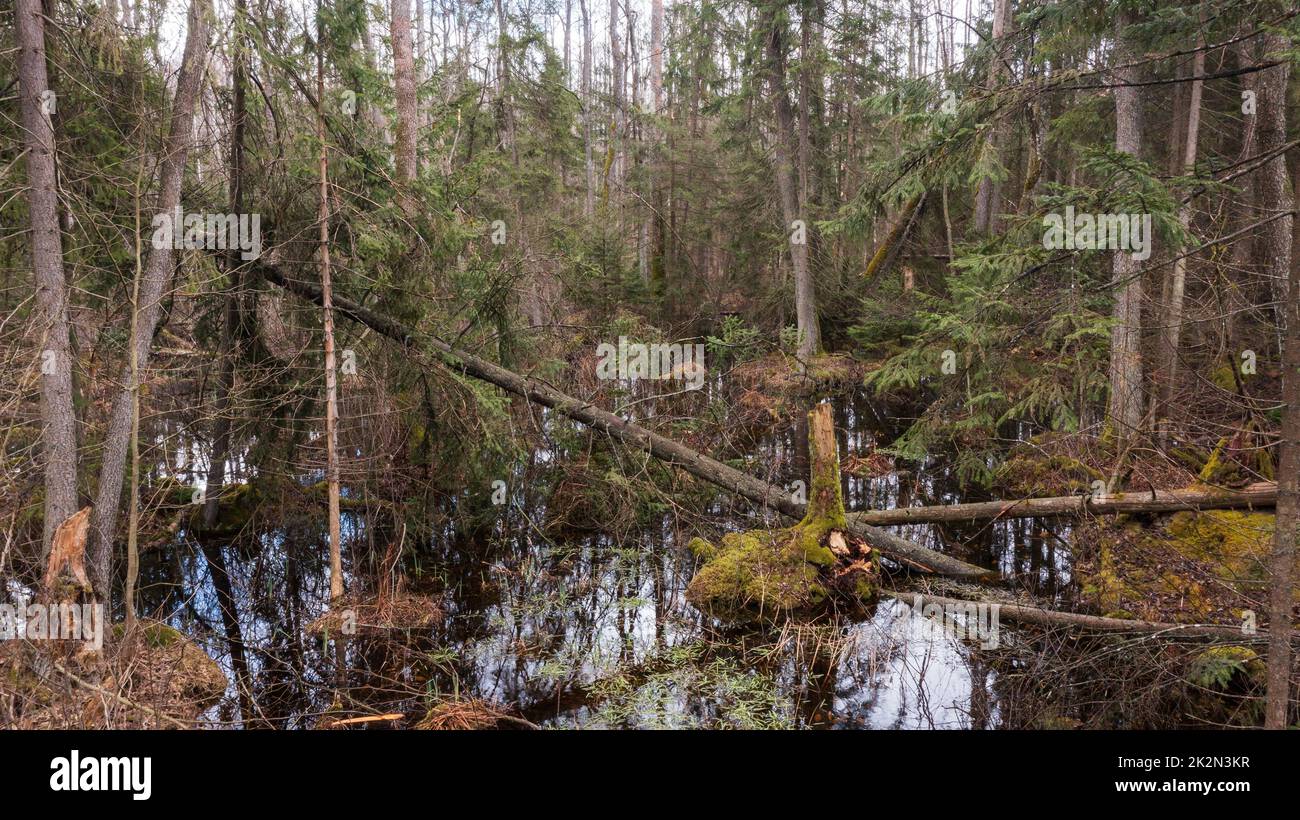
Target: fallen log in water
{"points": [[633, 435], [1019, 613], [1261, 495]]}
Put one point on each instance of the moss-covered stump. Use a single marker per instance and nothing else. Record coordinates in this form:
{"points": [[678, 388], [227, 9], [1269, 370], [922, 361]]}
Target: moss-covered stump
{"points": [[766, 574]]}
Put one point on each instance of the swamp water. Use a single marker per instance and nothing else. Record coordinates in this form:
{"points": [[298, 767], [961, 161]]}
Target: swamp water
{"points": [[594, 631]]}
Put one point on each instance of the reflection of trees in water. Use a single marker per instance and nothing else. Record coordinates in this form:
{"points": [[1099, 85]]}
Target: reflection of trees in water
{"points": [[534, 619]]}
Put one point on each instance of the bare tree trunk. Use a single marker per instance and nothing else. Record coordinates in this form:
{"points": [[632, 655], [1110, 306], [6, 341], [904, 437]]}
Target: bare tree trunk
{"points": [[651, 226], [157, 277], [618, 133], [990, 191], [1125, 409], [568, 27], [787, 184], [1253, 497], [589, 206], [404, 81], [1241, 298], [1275, 241], [1172, 328], [327, 306], [57, 415]]}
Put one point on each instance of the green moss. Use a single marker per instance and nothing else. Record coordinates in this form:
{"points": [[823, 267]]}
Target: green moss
{"points": [[702, 549], [1224, 377], [759, 572], [1217, 470], [766, 573], [1216, 667], [154, 634], [1189, 569]]}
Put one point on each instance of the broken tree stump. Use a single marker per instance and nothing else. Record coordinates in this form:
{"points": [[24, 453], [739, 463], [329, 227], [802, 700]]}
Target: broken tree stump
{"points": [[766, 574]]}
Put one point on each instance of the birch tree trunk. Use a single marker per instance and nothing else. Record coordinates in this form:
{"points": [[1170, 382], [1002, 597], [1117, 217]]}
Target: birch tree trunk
{"points": [[58, 420], [327, 307]]}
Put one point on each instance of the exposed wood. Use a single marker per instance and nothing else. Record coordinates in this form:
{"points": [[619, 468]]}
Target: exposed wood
{"points": [[366, 719], [665, 449], [1257, 496], [68, 549]]}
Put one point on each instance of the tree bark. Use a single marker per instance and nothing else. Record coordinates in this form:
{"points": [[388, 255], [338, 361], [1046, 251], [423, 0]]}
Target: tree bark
{"points": [[1051, 617], [232, 337], [1172, 328], [1126, 394], [58, 419], [652, 226], [327, 306], [1275, 244], [589, 205], [1256, 496], [774, 31], [618, 134], [404, 82], [632, 435], [154, 284], [989, 194]]}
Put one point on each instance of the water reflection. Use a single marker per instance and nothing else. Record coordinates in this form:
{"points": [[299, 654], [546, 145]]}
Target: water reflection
{"points": [[594, 630]]}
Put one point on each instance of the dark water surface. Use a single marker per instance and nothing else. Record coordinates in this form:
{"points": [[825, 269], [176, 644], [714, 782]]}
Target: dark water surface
{"points": [[594, 630]]}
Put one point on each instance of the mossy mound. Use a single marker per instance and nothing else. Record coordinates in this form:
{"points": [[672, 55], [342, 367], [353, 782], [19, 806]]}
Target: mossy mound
{"points": [[470, 714], [1193, 567], [779, 375], [367, 617], [163, 676], [760, 572], [174, 670]]}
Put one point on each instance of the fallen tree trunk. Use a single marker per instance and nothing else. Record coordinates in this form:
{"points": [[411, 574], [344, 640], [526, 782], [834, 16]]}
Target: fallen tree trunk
{"points": [[1097, 623], [662, 448], [1257, 496]]}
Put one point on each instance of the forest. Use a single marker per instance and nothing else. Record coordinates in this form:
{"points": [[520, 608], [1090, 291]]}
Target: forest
{"points": [[708, 364]]}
